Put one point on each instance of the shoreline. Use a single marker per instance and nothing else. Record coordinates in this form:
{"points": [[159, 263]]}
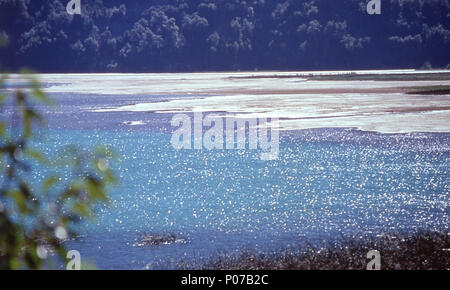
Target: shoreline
{"points": [[426, 250]]}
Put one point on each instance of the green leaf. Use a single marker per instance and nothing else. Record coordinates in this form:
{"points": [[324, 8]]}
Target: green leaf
{"points": [[2, 129], [49, 182], [81, 209], [20, 200], [95, 191], [39, 94], [38, 156]]}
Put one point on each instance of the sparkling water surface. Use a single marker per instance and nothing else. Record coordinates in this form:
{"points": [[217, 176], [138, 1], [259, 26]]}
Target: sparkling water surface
{"points": [[327, 183]]}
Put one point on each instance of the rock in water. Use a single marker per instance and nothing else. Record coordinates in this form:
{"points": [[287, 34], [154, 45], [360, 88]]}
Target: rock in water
{"points": [[155, 240]]}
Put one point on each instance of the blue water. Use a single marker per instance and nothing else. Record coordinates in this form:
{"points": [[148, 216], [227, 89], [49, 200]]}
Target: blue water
{"points": [[327, 183]]}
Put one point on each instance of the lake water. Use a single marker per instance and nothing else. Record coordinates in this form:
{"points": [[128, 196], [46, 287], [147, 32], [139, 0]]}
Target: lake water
{"points": [[327, 182]]}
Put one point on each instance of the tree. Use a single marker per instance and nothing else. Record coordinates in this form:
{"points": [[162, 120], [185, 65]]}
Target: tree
{"points": [[36, 220]]}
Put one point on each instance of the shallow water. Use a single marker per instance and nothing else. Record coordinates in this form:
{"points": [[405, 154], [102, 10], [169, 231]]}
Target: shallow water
{"points": [[326, 183]]}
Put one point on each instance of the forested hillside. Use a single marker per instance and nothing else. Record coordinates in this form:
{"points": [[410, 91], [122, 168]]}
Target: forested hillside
{"points": [[199, 35]]}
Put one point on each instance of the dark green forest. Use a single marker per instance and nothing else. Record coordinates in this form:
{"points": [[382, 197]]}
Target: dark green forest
{"points": [[217, 35]]}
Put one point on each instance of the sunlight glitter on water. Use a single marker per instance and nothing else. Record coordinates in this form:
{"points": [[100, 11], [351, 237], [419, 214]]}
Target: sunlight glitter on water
{"points": [[326, 183]]}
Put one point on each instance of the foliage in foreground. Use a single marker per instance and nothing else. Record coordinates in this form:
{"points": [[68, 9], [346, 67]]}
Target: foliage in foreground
{"points": [[36, 220]]}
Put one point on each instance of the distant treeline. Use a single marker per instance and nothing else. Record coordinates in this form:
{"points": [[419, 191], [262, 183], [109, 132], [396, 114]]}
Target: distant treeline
{"points": [[198, 35]]}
